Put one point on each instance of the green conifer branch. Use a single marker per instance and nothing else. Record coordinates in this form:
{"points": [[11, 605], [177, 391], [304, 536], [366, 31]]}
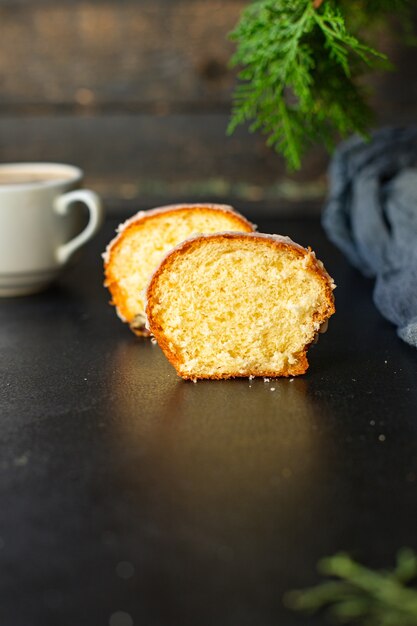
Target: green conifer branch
{"points": [[363, 596], [300, 69]]}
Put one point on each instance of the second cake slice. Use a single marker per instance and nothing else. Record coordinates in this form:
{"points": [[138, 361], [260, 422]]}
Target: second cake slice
{"points": [[144, 240]]}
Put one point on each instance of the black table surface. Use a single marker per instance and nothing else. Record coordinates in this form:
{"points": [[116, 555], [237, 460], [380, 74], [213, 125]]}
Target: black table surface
{"points": [[128, 496]]}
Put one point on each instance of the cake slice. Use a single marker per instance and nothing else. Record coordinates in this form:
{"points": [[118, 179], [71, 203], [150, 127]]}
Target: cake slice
{"points": [[238, 305], [143, 241]]}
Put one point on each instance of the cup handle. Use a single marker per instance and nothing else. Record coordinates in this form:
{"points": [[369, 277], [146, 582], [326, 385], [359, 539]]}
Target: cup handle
{"points": [[96, 210]]}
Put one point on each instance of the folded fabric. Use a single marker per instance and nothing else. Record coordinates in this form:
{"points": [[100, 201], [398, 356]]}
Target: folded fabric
{"points": [[371, 215]]}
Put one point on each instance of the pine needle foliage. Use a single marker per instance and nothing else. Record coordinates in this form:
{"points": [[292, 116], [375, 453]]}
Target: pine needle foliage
{"points": [[362, 596], [301, 65]]}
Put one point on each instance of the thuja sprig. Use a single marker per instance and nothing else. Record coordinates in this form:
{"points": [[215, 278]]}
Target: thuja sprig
{"points": [[301, 65], [363, 596]]}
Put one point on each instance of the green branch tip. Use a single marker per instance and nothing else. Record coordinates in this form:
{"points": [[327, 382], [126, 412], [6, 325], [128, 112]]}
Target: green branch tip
{"points": [[301, 67]]}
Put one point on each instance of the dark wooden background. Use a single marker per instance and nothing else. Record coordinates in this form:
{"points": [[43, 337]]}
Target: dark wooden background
{"points": [[138, 93]]}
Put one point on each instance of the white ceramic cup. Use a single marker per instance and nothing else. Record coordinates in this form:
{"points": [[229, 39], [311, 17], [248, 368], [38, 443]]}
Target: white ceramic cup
{"points": [[40, 223]]}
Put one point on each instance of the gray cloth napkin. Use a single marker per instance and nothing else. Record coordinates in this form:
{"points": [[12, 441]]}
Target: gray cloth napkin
{"points": [[371, 215]]}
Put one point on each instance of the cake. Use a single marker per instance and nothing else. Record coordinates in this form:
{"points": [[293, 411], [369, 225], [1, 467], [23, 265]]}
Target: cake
{"points": [[231, 305], [143, 241]]}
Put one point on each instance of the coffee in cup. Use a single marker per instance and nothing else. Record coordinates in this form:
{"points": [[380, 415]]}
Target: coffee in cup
{"points": [[39, 223]]}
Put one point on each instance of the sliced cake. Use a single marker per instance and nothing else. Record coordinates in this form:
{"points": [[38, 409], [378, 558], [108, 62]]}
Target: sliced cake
{"points": [[238, 305], [143, 241]]}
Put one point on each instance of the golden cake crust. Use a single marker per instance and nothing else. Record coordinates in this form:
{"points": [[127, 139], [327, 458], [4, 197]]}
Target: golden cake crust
{"points": [[312, 265], [139, 221]]}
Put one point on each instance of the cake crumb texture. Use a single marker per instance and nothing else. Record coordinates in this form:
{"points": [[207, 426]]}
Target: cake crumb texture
{"points": [[238, 305], [143, 241]]}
